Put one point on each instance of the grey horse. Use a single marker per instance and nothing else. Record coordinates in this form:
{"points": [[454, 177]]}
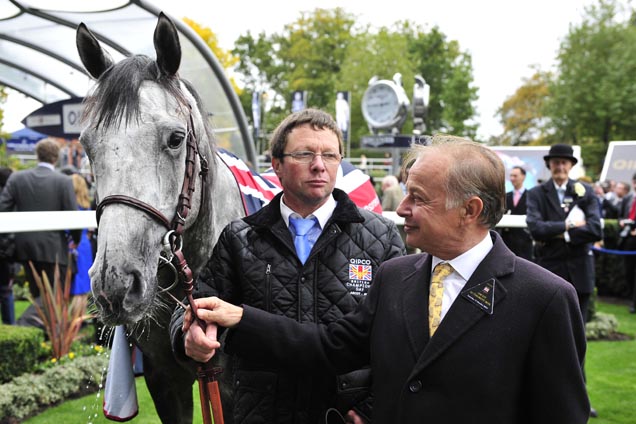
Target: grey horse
{"points": [[138, 120]]}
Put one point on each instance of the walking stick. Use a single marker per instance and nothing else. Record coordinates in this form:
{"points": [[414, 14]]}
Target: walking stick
{"points": [[211, 408]]}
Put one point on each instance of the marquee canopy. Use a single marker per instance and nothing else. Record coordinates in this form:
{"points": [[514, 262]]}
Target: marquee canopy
{"points": [[38, 56]]}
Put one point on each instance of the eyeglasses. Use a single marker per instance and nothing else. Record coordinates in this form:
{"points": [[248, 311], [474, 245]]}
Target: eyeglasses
{"points": [[308, 157]]}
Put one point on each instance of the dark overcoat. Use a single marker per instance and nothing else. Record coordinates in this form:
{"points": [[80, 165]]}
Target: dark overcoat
{"points": [[546, 215], [517, 239], [519, 364]]}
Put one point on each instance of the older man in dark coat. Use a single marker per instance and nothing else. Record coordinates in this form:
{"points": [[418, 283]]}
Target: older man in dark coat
{"points": [[565, 226], [502, 341], [564, 219]]}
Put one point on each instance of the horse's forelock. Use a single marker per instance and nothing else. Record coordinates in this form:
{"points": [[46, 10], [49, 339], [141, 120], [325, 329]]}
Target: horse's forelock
{"points": [[111, 102]]}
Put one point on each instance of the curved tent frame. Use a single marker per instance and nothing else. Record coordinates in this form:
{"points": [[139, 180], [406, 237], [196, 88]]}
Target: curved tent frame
{"points": [[38, 56]]}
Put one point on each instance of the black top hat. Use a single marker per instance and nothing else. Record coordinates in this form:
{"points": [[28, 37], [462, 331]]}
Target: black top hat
{"points": [[561, 151]]}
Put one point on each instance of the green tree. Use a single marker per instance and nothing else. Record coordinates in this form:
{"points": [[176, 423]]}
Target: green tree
{"points": [[593, 98], [449, 72], [306, 55], [322, 52], [522, 113]]}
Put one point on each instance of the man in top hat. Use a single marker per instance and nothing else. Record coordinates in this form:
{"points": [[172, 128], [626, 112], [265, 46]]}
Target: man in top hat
{"points": [[564, 220]]}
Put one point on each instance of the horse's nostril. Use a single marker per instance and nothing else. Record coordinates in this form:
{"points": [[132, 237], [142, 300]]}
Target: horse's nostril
{"points": [[136, 286]]}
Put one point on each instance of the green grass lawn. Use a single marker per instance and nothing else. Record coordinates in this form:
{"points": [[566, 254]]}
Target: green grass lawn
{"points": [[611, 371], [89, 409], [610, 368]]}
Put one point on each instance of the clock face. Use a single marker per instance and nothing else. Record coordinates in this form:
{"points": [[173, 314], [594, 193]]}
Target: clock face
{"points": [[380, 105]]}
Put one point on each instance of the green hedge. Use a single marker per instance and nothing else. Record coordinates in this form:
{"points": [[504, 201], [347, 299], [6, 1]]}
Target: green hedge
{"points": [[610, 275], [29, 393], [19, 350]]}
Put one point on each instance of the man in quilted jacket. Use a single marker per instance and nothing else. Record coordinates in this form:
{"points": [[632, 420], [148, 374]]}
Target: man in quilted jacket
{"points": [[260, 261]]}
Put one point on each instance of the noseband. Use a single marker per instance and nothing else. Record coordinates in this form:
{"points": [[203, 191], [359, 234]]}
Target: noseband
{"points": [[173, 238]]}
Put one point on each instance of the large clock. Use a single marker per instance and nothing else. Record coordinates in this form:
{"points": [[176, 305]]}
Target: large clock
{"points": [[385, 105]]}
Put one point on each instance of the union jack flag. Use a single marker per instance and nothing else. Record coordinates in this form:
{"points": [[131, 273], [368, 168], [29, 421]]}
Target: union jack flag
{"points": [[360, 272], [259, 189]]}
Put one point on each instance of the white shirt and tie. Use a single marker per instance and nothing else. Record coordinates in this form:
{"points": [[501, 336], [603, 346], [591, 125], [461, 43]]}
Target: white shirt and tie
{"points": [[320, 217], [463, 268]]}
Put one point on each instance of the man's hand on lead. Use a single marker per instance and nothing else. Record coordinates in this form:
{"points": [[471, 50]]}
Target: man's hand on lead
{"points": [[215, 310], [199, 344]]}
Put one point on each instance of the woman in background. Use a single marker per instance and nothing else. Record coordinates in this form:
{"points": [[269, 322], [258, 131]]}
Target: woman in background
{"points": [[83, 254]]}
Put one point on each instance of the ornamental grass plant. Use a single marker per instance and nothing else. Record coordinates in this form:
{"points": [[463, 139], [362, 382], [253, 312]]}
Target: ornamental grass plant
{"points": [[62, 315]]}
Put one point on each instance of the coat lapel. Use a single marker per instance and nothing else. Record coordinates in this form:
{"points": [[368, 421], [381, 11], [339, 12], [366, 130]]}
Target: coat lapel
{"points": [[415, 304], [553, 197], [464, 314]]}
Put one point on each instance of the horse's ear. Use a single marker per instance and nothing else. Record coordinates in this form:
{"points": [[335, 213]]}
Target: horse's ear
{"points": [[167, 46], [95, 59]]}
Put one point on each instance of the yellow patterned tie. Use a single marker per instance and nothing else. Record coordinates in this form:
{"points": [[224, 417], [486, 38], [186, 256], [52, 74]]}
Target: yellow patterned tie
{"points": [[441, 271]]}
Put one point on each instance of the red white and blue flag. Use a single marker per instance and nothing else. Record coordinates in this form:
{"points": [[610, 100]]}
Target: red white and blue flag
{"points": [[259, 189], [360, 272]]}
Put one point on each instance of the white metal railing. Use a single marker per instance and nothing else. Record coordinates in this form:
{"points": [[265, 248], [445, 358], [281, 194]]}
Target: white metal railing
{"points": [[14, 222]]}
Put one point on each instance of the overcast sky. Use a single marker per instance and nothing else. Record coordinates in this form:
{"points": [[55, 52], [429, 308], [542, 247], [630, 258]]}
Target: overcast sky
{"points": [[504, 37]]}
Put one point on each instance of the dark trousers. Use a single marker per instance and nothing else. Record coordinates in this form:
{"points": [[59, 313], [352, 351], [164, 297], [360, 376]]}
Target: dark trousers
{"points": [[7, 309], [41, 267]]}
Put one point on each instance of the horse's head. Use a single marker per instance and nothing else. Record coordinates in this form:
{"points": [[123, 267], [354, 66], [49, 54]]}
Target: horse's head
{"points": [[137, 123]]}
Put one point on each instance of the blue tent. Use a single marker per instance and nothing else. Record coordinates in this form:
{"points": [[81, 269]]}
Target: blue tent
{"points": [[24, 141]]}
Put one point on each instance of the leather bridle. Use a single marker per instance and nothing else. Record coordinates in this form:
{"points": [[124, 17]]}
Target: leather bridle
{"points": [[173, 243]]}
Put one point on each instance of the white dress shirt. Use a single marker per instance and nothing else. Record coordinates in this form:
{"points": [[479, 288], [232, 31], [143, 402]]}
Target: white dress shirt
{"points": [[463, 268]]}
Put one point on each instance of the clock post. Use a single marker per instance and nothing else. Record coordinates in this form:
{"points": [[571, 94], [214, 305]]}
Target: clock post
{"points": [[385, 107]]}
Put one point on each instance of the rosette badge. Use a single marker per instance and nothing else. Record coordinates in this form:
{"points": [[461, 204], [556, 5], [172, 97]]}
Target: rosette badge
{"points": [[579, 189]]}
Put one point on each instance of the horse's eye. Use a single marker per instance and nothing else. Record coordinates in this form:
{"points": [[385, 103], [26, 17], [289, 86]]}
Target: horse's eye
{"points": [[175, 140]]}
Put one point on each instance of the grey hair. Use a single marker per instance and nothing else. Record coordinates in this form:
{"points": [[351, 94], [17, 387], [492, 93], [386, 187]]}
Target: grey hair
{"points": [[475, 170]]}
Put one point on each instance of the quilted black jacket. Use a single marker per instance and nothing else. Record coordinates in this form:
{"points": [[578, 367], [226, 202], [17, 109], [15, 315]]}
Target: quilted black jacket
{"points": [[255, 263]]}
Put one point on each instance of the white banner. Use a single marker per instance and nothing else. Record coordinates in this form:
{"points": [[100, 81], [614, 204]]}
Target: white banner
{"points": [[14, 222]]}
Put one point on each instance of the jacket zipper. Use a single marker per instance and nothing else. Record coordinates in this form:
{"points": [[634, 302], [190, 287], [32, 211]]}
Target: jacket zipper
{"points": [[268, 288]]}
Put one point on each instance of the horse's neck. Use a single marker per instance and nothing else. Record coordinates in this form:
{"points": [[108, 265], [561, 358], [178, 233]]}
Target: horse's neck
{"points": [[222, 204]]}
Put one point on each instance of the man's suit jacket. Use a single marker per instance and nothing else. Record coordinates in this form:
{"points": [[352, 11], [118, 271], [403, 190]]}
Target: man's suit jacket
{"points": [[520, 364], [517, 239], [40, 189], [546, 217], [625, 205]]}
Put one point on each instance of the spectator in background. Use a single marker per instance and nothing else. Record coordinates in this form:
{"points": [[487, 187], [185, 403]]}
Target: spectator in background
{"points": [[608, 189], [7, 268], [518, 240], [627, 240], [564, 220], [607, 208], [392, 193], [621, 189], [83, 253], [41, 189]]}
